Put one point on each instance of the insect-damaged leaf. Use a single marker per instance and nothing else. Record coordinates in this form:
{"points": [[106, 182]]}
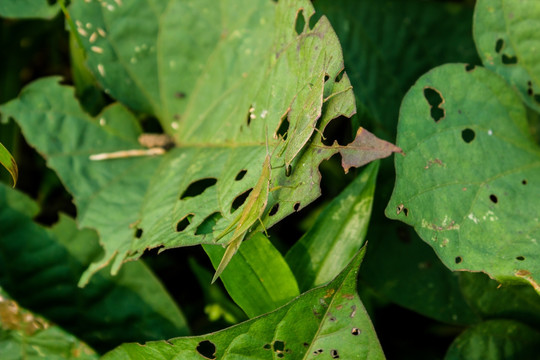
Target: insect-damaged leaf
{"points": [[506, 36], [469, 180], [329, 321], [221, 108]]}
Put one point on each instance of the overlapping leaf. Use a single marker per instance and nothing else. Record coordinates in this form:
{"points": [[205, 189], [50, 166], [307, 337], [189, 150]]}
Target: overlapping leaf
{"points": [[470, 175], [9, 163], [328, 321], [40, 268], [506, 36], [247, 86]]}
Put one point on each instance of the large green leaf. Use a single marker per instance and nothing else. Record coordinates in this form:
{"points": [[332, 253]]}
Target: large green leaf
{"points": [[9, 163], [24, 335], [469, 179], [223, 110], [506, 35], [267, 281], [337, 234], [328, 321], [40, 268], [28, 9], [496, 339]]}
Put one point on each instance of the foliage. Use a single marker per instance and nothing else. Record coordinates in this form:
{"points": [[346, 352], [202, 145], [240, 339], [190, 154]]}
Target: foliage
{"points": [[258, 113]]}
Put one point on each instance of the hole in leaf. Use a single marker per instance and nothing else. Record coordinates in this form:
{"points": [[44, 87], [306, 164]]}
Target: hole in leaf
{"points": [[300, 22], [240, 200], [296, 206], [267, 346], [520, 258], [306, 344], [274, 210], [184, 222], [207, 349], [283, 127], [334, 353], [509, 60], [356, 331], [317, 352], [314, 19], [332, 318], [524, 182], [279, 345], [280, 355], [493, 198], [207, 226], [468, 135], [458, 259], [530, 90], [138, 233], [240, 175], [401, 208], [326, 77], [435, 100], [340, 130], [339, 76], [179, 95], [198, 187], [499, 45], [250, 115], [469, 67]]}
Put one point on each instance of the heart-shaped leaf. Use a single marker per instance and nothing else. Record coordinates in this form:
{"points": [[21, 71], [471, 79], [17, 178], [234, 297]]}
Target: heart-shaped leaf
{"points": [[470, 176]]}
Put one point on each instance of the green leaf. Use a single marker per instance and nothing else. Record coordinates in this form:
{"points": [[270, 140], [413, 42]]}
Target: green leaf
{"points": [[28, 9], [40, 268], [222, 116], [9, 163], [337, 234], [470, 174], [24, 335], [491, 300], [403, 269], [329, 320], [506, 36], [496, 339], [266, 280]]}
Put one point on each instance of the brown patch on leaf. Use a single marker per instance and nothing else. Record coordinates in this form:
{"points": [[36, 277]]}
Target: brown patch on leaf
{"points": [[524, 274]]}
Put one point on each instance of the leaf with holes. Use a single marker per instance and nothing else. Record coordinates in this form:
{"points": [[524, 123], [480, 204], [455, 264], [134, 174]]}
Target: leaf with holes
{"points": [[28, 9], [48, 259], [181, 64], [506, 36], [469, 177], [329, 321]]}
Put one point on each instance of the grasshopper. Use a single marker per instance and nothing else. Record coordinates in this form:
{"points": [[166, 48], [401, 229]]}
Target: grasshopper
{"points": [[252, 211]]}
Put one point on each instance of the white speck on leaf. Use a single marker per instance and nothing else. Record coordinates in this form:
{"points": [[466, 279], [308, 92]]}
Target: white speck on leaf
{"points": [[471, 217], [102, 121], [264, 113], [174, 125], [97, 49], [101, 70], [490, 132], [93, 38], [88, 25], [82, 32], [118, 2], [101, 32], [110, 7]]}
